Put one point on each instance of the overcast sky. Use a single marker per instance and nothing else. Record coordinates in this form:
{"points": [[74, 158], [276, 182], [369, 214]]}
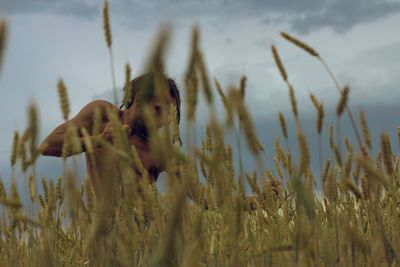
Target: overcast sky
{"points": [[50, 39]]}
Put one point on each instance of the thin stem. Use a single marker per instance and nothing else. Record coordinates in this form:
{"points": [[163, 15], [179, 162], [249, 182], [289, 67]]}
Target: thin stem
{"points": [[113, 77], [347, 107], [339, 136], [269, 162], [238, 136], [287, 145], [320, 155]]}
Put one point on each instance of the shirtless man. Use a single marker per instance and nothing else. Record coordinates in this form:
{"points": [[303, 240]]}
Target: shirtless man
{"points": [[106, 171], [106, 161]]}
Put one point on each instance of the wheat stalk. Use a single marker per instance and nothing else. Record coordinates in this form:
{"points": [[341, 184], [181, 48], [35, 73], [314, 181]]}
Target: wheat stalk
{"points": [[283, 125], [242, 87], [278, 63], [63, 95], [3, 38], [13, 156], [387, 153], [106, 24], [343, 101], [32, 187], [293, 101], [365, 131], [127, 87], [108, 36], [300, 44]]}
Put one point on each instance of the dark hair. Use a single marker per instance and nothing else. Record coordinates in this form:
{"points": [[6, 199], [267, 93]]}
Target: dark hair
{"points": [[145, 85]]}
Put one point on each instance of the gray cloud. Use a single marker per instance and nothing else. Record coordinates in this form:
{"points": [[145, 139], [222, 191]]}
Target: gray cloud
{"points": [[303, 17], [343, 15], [264, 42], [86, 9]]}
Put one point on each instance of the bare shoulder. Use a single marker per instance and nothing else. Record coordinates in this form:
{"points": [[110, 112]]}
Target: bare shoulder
{"points": [[84, 118], [100, 104], [88, 110]]}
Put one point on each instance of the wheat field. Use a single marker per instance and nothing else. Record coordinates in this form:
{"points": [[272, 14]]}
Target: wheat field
{"points": [[351, 220]]}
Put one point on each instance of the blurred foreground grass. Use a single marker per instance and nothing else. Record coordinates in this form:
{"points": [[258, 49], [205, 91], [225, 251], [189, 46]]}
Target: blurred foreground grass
{"points": [[353, 221]]}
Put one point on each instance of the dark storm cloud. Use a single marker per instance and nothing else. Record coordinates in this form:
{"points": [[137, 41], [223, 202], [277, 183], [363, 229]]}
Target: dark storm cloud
{"points": [[303, 16]]}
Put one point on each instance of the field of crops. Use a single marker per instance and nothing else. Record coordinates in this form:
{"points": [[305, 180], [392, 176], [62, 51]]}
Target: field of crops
{"points": [[351, 219]]}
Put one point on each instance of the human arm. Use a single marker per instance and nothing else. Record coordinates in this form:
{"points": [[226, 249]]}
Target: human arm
{"points": [[52, 145]]}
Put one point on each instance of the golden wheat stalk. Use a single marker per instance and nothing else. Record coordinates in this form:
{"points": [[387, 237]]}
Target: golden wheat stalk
{"points": [[331, 142], [378, 160], [174, 123], [282, 122], [278, 167], [127, 87], [278, 63], [314, 100], [34, 131], [293, 101], [89, 194], [204, 78], [347, 143], [191, 79], [13, 156], [242, 87], [87, 141], [209, 142], [387, 153], [59, 187], [398, 135], [365, 131], [108, 36], [3, 38], [22, 149], [32, 187], [312, 52], [304, 152], [3, 193], [106, 24], [45, 189], [248, 126], [300, 44], [62, 93], [15, 197], [321, 116], [320, 120], [52, 198], [280, 153], [347, 166], [343, 100], [326, 171], [221, 93]]}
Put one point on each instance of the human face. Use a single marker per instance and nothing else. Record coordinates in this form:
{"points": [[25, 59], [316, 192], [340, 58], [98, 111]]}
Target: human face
{"points": [[160, 107], [133, 116]]}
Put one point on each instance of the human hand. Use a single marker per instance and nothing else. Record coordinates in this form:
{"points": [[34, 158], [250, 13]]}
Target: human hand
{"points": [[108, 131], [126, 129], [106, 134]]}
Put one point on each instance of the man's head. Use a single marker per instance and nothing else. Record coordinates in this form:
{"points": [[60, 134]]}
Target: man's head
{"points": [[144, 87]]}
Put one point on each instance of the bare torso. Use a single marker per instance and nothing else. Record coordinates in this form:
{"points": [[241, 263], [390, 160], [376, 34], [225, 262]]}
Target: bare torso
{"points": [[104, 166], [108, 167]]}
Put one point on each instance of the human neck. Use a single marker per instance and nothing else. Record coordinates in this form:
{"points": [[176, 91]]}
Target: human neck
{"points": [[140, 130], [124, 117], [138, 127]]}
